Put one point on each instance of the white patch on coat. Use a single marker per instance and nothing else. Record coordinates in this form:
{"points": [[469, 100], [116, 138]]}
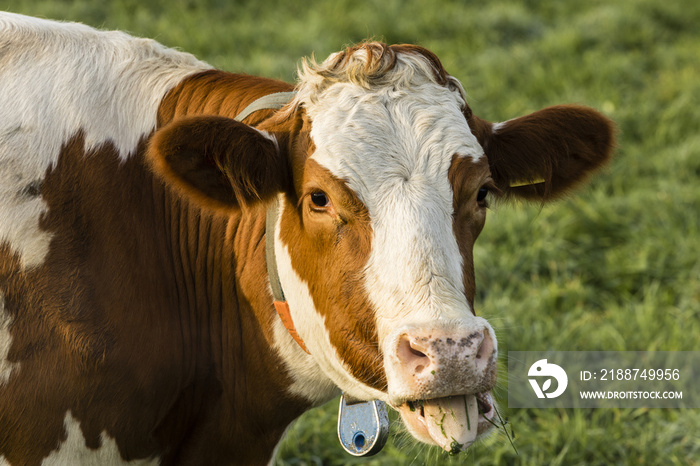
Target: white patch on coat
{"points": [[319, 376], [74, 451], [308, 380], [6, 367], [498, 126], [57, 79], [394, 145]]}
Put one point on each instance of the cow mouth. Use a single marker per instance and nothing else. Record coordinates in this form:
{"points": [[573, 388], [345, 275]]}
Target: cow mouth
{"points": [[453, 422]]}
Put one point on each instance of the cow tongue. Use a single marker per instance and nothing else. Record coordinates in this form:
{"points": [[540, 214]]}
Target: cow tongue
{"points": [[451, 422]]}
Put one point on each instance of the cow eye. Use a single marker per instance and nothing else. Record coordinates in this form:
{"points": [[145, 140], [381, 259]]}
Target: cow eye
{"points": [[320, 199], [481, 195]]}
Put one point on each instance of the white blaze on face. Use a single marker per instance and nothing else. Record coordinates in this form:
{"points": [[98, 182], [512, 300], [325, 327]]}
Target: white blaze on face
{"points": [[394, 149], [75, 451], [57, 79], [6, 367]]}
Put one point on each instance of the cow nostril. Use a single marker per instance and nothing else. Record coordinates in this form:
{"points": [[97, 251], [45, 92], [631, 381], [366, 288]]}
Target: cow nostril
{"points": [[410, 355], [417, 353], [485, 350]]}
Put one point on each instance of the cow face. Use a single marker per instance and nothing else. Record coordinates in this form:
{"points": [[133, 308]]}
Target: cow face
{"points": [[390, 290], [383, 178]]}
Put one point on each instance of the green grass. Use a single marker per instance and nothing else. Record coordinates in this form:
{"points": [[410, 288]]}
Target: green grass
{"points": [[615, 268]]}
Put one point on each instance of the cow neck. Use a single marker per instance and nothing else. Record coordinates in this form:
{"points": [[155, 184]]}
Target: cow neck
{"points": [[274, 101]]}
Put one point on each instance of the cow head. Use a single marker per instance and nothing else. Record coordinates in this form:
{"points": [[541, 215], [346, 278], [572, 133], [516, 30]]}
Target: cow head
{"points": [[384, 177]]}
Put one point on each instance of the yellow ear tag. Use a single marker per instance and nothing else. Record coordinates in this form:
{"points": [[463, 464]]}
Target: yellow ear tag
{"points": [[518, 183]]}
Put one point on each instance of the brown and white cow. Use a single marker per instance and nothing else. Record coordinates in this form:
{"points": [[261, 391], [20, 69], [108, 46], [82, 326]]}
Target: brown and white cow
{"points": [[136, 316]]}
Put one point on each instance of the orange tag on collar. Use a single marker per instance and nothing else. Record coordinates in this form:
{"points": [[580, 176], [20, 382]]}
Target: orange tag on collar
{"points": [[282, 309]]}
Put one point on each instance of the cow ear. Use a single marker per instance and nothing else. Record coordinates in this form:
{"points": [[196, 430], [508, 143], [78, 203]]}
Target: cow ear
{"points": [[545, 154], [219, 162]]}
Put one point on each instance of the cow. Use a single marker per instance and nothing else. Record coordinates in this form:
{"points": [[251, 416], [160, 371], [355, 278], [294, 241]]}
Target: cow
{"points": [[144, 230]]}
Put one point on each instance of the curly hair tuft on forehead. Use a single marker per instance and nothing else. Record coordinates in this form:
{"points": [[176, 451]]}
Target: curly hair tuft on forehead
{"points": [[374, 65]]}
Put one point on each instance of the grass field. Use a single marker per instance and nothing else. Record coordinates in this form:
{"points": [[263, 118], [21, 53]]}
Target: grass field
{"points": [[615, 268]]}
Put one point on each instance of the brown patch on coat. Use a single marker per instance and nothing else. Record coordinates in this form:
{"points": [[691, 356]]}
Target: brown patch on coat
{"points": [[466, 178], [215, 92], [329, 250], [150, 321]]}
